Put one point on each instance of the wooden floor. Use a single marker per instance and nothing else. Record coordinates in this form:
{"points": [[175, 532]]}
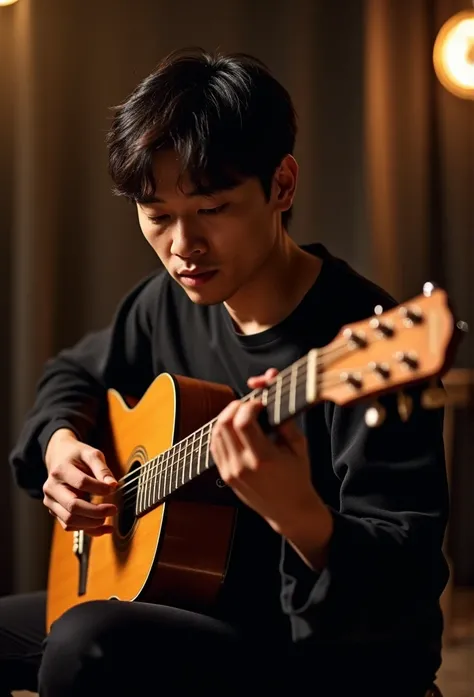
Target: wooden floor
{"points": [[456, 677]]}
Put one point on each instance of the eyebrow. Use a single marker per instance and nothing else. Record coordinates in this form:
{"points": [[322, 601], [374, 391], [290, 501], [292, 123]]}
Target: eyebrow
{"points": [[144, 200], [157, 199]]}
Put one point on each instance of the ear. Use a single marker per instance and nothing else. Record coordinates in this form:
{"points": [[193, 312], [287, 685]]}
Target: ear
{"points": [[284, 184]]}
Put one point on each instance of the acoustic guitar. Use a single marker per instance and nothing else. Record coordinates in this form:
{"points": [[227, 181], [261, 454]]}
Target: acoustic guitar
{"points": [[173, 532]]}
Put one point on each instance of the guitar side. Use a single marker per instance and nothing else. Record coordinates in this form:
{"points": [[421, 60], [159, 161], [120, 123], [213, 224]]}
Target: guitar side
{"points": [[176, 553]]}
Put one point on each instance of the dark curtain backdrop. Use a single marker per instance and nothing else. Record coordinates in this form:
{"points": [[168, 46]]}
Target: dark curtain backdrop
{"points": [[386, 160]]}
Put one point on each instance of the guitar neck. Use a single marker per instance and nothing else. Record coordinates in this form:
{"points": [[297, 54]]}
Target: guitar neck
{"points": [[293, 390], [404, 345]]}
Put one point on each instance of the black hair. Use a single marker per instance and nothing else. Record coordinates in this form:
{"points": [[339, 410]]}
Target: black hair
{"points": [[226, 117]]}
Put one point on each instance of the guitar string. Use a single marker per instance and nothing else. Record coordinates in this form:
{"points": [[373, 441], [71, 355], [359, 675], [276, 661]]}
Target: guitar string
{"points": [[339, 346], [178, 470], [148, 471], [285, 388]]}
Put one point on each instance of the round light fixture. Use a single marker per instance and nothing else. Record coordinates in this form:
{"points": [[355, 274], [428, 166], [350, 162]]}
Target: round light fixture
{"points": [[453, 55], [7, 2]]}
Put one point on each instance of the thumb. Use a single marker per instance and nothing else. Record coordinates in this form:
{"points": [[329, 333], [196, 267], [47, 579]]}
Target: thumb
{"points": [[293, 437], [95, 459]]}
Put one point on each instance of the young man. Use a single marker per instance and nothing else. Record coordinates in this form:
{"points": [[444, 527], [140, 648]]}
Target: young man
{"points": [[343, 524]]}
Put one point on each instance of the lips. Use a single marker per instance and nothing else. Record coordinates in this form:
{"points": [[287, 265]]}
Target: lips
{"points": [[194, 272], [196, 277]]}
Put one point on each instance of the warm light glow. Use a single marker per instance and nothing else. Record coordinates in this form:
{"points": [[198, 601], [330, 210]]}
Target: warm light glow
{"points": [[7, 2], [453, 54]]}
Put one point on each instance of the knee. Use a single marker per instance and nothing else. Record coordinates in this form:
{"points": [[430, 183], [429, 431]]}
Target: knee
{"points": [[75, 649]]}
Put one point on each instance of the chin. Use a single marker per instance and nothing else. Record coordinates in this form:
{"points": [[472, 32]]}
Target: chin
{"points": [[207, 296], [204, 297]]}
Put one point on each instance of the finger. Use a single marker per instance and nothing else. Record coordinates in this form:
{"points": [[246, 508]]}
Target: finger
{"points": [[70, 521], [224, 429], [232, 446], [85, 524], [72, 504], [262, 380], [219, 451], [96, 461], [103, 530], [249, 432], [228, 413], [74, 476], [292, 436]]}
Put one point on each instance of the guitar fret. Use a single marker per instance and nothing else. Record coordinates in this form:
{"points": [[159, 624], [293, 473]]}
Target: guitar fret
{"points": [[137, 498], [185, 458], [145, 483], [159, 474], [166, 471], [188, 459], [191, 457], [162, 476], [176, 465], [207, 442], [176, 474], [154, 469], [138, 504], [163, 464], [277, 405], [293, 381], [179, 465], [149, 485], [209, 460], [144, 470], [199, 451], [154, 472], [182, 460]]}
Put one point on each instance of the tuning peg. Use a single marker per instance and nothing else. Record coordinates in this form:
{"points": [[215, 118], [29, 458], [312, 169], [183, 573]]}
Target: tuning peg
{"points": [[433, 397], [404, 405], [375, 415], [428, 289]]}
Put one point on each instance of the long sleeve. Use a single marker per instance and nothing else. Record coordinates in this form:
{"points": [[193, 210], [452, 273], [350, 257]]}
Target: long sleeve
{"points": [[385, 569], [72, 388]]}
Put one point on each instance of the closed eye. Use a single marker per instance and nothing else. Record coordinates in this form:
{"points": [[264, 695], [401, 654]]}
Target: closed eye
{"points": [[213, 211], [165, 217], [155, 219]]}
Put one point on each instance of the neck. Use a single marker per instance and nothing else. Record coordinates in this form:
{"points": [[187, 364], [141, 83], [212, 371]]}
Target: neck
{"points": [[276, 288]]}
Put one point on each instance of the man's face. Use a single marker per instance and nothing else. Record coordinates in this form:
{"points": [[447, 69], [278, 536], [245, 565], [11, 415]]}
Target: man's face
{"points": [[213, 246]]}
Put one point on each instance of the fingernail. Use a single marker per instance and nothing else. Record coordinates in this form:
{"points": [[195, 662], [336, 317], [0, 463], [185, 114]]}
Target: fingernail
{"points": [[110, 480]]}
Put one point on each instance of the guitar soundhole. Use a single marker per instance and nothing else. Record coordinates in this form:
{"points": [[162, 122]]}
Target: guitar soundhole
{"points": [[126, 516]]}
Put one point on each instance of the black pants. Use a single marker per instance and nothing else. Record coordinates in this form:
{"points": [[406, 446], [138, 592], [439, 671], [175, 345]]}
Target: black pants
{"points": [[126, 649]]}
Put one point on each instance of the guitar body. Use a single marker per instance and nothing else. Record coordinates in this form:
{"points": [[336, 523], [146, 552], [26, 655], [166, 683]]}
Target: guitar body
{"points": [[177, 553]]}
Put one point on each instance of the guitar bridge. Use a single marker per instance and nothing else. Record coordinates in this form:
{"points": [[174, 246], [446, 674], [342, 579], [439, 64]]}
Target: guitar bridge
{"points": [[81, 548]]}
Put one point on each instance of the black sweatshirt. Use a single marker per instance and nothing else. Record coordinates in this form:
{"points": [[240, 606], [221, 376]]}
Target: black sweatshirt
{"points": [[386, 486]]}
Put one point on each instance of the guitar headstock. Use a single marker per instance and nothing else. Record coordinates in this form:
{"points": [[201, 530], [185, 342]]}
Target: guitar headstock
{"points": [[408, 344]]}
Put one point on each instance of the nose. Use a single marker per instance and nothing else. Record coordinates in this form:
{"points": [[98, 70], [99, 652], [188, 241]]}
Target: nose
{"points": [[186, 239]]}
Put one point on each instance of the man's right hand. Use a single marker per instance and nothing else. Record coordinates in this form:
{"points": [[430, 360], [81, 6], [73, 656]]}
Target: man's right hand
{"points": [[76, 470]]}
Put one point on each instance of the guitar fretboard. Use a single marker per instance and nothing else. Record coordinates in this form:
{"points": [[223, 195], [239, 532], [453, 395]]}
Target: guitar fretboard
{"points": [[294, 389]]}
